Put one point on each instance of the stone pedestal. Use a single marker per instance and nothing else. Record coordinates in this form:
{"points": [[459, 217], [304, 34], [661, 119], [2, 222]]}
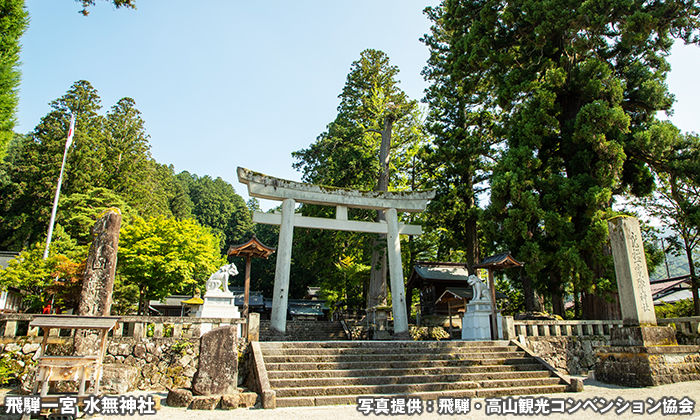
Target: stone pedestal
{"points": [[640, 353], [380, 319], [217, 304], [476, 324], [640, 366]]}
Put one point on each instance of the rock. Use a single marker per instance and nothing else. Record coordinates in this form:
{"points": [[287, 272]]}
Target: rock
{"points": [[205, 402], [130, 360], [185, 360], [123, 349], [118, 379], [12, 347], [148, 370], [30, 348], [139, 351], [218, 363], [109, 359], [229, 402], [247, 399], [576, 385], [179, 397]]}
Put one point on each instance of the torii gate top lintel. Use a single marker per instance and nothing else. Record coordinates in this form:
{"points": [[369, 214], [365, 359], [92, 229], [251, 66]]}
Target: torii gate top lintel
{"points": [[271, 188]]}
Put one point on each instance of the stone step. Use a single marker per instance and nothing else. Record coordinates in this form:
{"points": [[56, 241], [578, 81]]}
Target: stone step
{"points": [[422, 370], [393, 364], [471, 393], [405, 379], [384, 344], [389, 357], [322, 351], [412, 388]]}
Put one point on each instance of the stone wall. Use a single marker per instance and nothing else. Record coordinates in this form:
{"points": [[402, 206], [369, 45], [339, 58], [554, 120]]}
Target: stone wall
{"points": [[576, 355], [571, 355], [160, 363]]}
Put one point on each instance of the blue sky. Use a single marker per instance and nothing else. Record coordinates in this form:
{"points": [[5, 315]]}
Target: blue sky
{"points": [[227, 83]]}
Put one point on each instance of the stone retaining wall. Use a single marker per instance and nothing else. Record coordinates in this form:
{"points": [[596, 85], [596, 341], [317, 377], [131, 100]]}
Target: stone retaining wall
{"points": [[571, 355], [576, 355], [161, 362]]}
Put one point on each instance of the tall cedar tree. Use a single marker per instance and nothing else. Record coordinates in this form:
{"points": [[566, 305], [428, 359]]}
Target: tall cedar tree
{"points": [[348, 155], [110, 152], [458, 159], [571, 85], [13, 22]]}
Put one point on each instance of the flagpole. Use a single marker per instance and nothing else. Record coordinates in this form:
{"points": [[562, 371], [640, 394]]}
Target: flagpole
{"points": [[69, 140]]}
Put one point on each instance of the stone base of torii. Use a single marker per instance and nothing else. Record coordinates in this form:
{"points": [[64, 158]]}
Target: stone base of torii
{"points": [[290, 193]]}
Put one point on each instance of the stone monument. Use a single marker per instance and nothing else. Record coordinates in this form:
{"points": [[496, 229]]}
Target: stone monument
{"points": [[641, 353], [476, 324], [219, 303], [98, 278]]}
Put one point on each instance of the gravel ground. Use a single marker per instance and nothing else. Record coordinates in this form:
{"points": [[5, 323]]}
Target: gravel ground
{"points": [[595, 398]]}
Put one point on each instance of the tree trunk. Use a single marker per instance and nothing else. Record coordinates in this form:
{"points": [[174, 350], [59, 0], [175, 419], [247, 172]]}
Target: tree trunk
{"points": [[532, 304], [597, 307], [377, 280], [693, 279]]}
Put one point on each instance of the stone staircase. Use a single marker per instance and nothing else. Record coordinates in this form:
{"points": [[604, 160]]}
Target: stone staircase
{"points": [[305, 331], [327, 373]]}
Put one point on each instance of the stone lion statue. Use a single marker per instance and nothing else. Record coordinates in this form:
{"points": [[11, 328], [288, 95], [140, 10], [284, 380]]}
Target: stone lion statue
{"points": [[479, 289], [220, 277]]}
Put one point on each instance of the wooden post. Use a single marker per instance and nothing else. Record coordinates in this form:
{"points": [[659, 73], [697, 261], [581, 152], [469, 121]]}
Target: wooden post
{"points": [[494, 319], [246, 293]]}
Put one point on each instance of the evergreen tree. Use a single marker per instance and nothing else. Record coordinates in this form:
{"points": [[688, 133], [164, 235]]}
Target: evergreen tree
{"points": [[570, 86], [375, 117], [13, 22]]}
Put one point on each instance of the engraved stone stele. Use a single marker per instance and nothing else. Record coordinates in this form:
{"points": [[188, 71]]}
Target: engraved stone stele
{"points": [[633, 286], [640, 352], [98, 278], [217, 373]]}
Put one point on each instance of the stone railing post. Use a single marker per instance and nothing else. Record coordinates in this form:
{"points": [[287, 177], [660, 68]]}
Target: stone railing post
{"points": [[253, 326], [509, 328]]}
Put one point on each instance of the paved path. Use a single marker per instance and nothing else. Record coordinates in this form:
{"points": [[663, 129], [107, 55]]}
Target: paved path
{"points": [[596, 397], [593, 391]]}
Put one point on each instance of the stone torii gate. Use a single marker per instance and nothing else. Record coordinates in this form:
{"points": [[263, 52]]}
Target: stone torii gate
{"points": [[290, 193]]}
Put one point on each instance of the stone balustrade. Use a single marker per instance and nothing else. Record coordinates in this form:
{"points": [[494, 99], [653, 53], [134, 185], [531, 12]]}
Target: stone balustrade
{"points": [[17, 325], [687, 325], [556, 328]]}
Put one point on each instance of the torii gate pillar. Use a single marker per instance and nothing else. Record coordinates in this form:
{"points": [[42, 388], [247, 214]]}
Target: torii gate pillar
{"points": [[278, 320], [290, 192]]}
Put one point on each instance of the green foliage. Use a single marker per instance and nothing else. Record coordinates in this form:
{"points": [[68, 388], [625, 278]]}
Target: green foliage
{"points": [[78, 212], [14, 20], [352, 277], [427, 333], [128, 4], [125, 297], [58, 275], [515, 303], [216, 204], [680, 309], [676, 202], [163, 256], [570, 90], [346, 155], [109, 158]]}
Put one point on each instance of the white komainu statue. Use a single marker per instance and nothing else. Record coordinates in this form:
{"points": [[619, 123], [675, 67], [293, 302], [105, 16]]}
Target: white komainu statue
{"points": [[220, 277], [479, 289]]}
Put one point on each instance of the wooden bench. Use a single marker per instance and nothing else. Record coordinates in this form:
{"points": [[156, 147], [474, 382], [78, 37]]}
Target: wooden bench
{"points": [[80, 368]]}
